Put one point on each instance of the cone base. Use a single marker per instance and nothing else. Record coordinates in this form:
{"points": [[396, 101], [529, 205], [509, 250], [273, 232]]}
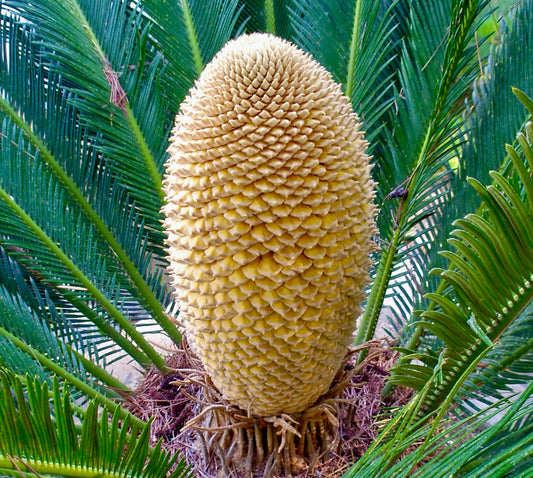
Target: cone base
{"points": [[219, 439]]}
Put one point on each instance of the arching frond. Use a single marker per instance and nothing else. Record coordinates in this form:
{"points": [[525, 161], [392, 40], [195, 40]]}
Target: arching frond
{"points": [[216, 22], [509, 66], [97, 92], [83, 192], [490, 280], [39, 435], [437, 66], [355, 43], [510, 63], [269, 16], [476, 446], [184, 31], [506, 367], [50, 339], [52, 239]]}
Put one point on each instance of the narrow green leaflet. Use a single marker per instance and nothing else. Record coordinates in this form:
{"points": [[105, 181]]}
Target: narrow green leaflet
{"points": [[476, 446], [39, 435], [438, 51], [123, 248], [490, 279], [355, 44]]}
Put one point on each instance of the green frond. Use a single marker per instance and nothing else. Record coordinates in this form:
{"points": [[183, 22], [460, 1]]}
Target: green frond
{"points": [[20, 321], [169, 33], [491, 282], [270, 16], [209, 26], [15, 360], [126, 235], [216, 22], [509, 66], [39, 435], [96, 92], [506, 366], [438, 65], [51, 238], [31, 316], [188, 33], [476, 446], [124, 35], [39, 301], [355, 44], [82, 389]]}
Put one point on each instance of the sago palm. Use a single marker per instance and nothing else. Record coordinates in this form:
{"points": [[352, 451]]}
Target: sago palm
{"points": [[165, 168]]}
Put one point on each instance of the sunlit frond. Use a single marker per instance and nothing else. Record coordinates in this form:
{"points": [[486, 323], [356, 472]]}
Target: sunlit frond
{"points": [[437, 66], [476, 446], [490, 277], [356, 45], [40, 435]]}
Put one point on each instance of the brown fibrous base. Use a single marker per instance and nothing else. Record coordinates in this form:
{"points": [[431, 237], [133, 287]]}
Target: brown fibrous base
{"points": [[221, 440]]}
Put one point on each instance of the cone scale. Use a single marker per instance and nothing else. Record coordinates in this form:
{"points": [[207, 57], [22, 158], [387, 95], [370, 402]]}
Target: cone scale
{"points": [[269, 221]]}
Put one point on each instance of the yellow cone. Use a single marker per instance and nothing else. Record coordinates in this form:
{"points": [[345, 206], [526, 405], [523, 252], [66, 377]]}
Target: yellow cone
{"points": [[269, 217]]}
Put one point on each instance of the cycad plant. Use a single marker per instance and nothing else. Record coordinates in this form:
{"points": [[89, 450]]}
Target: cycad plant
{"points": [[269, 214]]}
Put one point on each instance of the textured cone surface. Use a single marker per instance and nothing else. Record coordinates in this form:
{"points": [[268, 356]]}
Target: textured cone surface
{"points": [[269, 219]]}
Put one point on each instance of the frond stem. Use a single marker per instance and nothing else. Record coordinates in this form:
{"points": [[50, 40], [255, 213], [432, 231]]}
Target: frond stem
{"points": [[461, 22], [145, 291], [414, 338], [71, 379], [117, 316], [193, 38], [356, 34], [123, 101], [145, 152], [98, 372], [450, 396], [270, 17], [52, 469], [370, 318]]}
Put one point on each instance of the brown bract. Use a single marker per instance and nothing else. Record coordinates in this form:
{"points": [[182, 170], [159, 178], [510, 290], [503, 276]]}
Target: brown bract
{"points": [[269, 218]]}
